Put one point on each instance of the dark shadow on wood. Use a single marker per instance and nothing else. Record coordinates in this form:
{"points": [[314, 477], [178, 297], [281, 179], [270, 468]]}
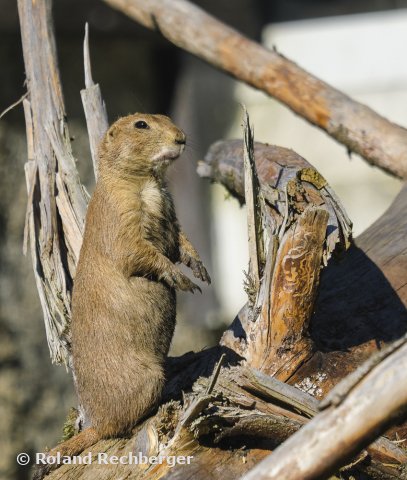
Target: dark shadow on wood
{"points": [[356, 305], [182, 372]]}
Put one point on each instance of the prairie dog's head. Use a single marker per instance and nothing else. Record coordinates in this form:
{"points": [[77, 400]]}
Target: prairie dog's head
{"points": [[141, 144]]}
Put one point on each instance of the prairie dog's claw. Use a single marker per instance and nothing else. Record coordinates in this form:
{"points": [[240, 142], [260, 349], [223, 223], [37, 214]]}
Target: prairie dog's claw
{"points": [[199, 270], [179, 281], [195, 287]]}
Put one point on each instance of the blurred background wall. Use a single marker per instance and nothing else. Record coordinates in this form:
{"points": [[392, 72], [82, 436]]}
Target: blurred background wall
{"points": [[355, 45]]}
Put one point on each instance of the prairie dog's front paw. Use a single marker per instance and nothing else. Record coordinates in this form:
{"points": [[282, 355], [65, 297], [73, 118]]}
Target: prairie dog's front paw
{"points": [[199, 270], [176, 279]]}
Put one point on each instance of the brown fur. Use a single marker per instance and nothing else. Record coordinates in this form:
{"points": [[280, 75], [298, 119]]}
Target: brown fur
{"points": [[123, 304]]}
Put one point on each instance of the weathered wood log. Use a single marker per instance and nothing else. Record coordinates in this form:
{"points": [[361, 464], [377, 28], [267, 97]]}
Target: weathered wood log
{"points": [[347, 425], [226, 428], [305, 224], [362, 298], [379, 141], [57, 200], [287, 304], [282, 290]]}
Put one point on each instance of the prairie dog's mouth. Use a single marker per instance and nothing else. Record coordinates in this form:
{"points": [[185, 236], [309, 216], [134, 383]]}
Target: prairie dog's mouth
{"points": [[169, 153]]}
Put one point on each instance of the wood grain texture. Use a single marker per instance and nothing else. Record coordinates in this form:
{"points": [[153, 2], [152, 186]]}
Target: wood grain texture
{"points": [[245, 407], [362, 298], [93, 106], [57, 199], [255, 207], [305, 224], [337, 434], [282, 335]]}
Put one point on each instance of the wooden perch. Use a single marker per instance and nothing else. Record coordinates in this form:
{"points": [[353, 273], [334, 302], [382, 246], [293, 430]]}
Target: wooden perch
{"points": [[360, 129], [337, 434], [243, 406]]}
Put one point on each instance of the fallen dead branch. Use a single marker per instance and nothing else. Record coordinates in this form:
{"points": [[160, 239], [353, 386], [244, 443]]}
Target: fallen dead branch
{"points": [[379, 141], [346, 426], [93, 105], [57, 199], [242, 407]]}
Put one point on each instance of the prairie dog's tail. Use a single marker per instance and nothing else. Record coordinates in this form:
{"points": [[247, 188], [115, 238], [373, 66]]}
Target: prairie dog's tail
{"points": [[72, 447]]}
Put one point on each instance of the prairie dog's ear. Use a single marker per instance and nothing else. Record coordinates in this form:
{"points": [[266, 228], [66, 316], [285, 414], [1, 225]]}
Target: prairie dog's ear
{"points": [[111, 133]]}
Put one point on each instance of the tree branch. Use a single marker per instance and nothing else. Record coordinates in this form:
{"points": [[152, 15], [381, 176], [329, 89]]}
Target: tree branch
{"points": [[58, 201], [93, 105], [255, 207], [243, 404], [341, 431], [379, 141]]}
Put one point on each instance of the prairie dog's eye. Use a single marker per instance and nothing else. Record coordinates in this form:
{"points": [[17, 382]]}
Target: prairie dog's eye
{"points": [[141, 124]]}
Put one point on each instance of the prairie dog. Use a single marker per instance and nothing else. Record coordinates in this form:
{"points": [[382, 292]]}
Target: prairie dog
{"points": [[123, 302]]}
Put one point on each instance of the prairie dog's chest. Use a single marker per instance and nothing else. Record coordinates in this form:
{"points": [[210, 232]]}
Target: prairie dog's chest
{"points": [[153, 199], [159, 217]]}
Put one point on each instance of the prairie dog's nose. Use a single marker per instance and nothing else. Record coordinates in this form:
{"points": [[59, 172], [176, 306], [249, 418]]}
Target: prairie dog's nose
{"points": [[181, 138]]}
